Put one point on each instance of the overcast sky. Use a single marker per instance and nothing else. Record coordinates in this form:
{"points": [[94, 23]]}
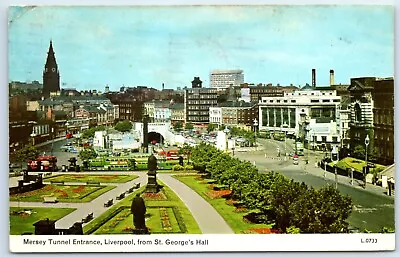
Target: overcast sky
{"points": [[115, 46]]}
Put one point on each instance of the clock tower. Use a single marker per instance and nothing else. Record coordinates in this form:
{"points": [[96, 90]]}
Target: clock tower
{"points": [[51, 75]]}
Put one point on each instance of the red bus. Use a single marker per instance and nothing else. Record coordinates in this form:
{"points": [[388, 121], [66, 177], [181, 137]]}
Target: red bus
{"points": [[47, 163]]}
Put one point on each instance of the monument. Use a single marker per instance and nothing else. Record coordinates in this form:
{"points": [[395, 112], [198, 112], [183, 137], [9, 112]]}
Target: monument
{"points": [[181, 160], [138, 209], [152, 186]]}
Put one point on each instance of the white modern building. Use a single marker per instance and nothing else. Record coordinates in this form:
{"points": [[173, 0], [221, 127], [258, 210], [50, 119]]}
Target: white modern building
{"points": [[224, 78], [308, 114], [216, 115]]}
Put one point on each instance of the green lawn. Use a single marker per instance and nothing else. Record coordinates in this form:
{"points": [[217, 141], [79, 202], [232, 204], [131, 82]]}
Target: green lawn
{"points": [[74, 194], [22, 219], [234, 219], [91, 178], [118, 219], [357, 165]]}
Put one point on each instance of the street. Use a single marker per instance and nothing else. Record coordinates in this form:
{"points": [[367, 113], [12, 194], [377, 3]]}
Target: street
{"points": [[373, 210]]}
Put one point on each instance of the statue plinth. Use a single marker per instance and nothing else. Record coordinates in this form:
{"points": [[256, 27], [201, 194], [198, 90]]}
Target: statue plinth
{"points": [[141, 231], [152, 185]]}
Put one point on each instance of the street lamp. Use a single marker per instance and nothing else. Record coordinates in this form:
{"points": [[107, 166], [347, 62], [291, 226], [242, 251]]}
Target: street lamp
{"points": [[366, 141], [52, 140], [334, 157], [33, 135], [226, 131], [285, 126], [255, 123]]}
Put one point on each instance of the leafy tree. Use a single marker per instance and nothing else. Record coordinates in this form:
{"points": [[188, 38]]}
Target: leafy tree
{"points": [[359, 151], [123, 126], [28, 152], [211, 127], [87, 153], [189, 126], [178, 126], [88, 133], [186, 150]]}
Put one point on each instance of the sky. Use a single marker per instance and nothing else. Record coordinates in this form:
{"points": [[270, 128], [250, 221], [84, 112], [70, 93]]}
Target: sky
{"points": [[148, 46]]}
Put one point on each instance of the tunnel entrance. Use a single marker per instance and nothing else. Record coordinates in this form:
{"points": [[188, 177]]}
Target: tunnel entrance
{"points": [[155, 137]]}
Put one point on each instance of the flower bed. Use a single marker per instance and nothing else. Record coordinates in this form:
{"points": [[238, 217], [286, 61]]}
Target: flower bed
{"points": [[160, 196], [218, 194], [261, 231]]}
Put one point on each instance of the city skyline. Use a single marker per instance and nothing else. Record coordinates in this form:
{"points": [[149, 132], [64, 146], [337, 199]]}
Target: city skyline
{"points": [[154, 45]]}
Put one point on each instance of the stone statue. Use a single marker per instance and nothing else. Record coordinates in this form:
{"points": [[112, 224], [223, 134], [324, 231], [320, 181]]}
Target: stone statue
{"points": [[152, 186], [138, 209], [152, 163]]}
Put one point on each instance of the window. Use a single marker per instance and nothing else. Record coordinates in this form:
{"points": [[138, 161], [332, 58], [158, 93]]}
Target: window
{"points": [[325, 100], [314, 101], [334, 139], [292, 101]]}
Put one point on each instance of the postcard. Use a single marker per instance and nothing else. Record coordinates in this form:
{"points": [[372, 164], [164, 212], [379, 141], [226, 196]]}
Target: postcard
{"points": [[201, 128]]}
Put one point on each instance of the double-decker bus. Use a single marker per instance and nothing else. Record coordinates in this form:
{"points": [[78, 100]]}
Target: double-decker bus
{"points": [[43, 163]]}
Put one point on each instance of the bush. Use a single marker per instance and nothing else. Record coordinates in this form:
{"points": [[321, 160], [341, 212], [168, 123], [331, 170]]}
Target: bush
{"points": [[188, 167], [178, 167]]}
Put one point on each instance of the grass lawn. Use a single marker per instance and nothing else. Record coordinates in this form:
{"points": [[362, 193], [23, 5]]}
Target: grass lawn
{"points": [[166, 213], [22, 219], [232, 215], [91, 178], [75, 194], [357, 165]]}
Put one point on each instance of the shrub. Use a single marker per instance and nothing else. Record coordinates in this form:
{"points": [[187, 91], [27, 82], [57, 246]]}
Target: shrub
{"points": [[188, 167], [177, 167]]}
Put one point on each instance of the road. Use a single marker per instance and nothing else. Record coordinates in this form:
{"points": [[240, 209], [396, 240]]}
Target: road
{"points": [[62, 156], [372, 208]]}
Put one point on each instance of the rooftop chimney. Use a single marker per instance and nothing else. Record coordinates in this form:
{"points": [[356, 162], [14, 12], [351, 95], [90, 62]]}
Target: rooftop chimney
{"points": [[313, 82], [331, 77]]}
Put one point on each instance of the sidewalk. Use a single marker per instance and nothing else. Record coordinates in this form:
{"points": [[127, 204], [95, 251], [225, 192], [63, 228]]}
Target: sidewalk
{"points": [[208, 219], [344, 180]]}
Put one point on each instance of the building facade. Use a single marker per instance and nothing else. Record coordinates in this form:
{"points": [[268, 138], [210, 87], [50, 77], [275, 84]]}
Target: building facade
{"points": [[307, 115], [177, 113], [224, 78], [383, 112]]}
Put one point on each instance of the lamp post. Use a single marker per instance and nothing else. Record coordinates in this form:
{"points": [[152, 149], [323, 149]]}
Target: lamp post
{"points": [[334, 157], [308, 143], [255, 123], [226, 131], [285, 126], [52, 140], [366, 141], [325, 170], [33, 135]]}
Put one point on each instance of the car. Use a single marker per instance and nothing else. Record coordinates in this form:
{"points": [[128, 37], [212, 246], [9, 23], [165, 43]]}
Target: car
{"points": [[73, 150]]}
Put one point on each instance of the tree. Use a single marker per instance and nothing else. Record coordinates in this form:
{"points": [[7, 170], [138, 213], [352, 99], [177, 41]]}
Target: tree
{"points": [[211, 127], [123, 126], [178, 126], [189, 126], [28, 152], [359, 151], [186, 150], [88, 153], [88, 133]]}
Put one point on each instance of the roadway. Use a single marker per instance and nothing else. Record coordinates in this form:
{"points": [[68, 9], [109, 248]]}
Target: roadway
{"points": [[372, 208]]}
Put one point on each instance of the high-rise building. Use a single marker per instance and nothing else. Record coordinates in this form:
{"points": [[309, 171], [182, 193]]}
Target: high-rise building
{"points": [[51, 75], [226, 78]]}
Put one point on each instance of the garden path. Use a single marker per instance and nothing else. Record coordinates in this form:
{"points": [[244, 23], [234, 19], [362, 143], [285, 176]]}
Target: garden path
{"points": [[208, 219]]}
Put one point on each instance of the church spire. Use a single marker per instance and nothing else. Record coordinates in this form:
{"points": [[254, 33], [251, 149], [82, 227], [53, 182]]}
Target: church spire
{"points": [[51, 75]]}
